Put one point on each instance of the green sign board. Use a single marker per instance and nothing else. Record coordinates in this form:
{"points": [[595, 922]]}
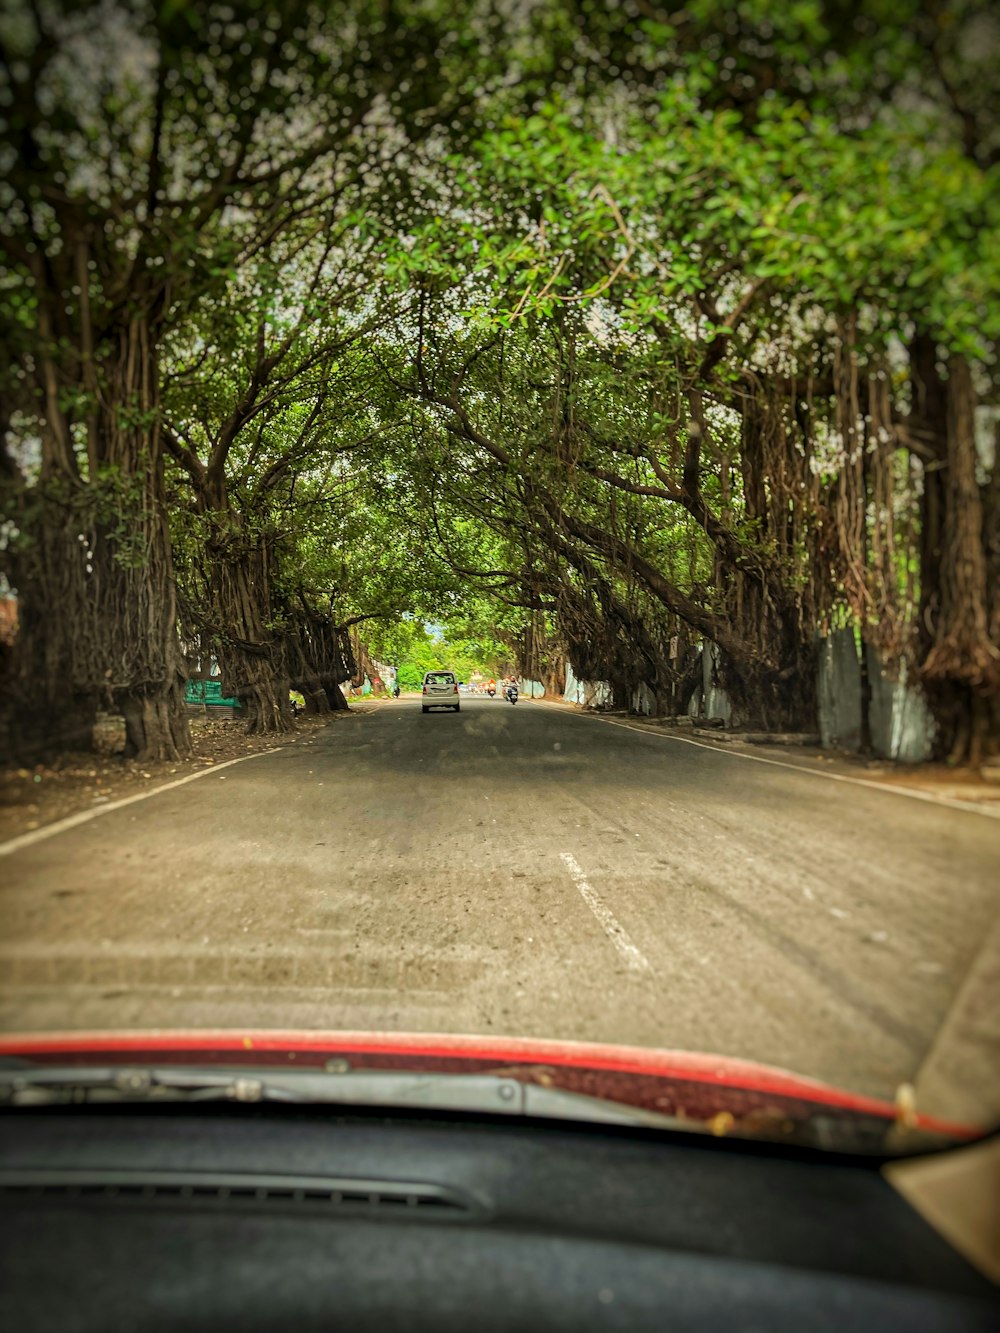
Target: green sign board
{"points": [[209, 693]]}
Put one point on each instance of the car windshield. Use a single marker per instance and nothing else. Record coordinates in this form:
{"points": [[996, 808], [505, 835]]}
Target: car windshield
{"points": [[500, 539]]}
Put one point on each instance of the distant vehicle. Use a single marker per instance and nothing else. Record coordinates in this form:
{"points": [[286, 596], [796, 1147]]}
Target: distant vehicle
{"points": [[440, 690], [510, 693], [462, 687]]}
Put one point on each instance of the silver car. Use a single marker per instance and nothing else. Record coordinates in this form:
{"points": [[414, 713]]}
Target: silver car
{"points": [[440, 691]]}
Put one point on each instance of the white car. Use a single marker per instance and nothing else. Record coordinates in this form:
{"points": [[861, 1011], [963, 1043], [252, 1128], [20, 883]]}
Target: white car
{"points": [[440, 691]]}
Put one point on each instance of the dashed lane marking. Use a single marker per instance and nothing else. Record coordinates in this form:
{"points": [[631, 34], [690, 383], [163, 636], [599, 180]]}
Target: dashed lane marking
{"points": [[616, 932]]}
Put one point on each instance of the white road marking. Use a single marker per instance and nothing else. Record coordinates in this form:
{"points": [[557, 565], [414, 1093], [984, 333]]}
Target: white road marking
{"points": [[83, 816], [615, 930], [780, 763]]}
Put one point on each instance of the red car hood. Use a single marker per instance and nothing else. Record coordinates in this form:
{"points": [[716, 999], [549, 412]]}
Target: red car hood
{"points": [[724, 1093]]}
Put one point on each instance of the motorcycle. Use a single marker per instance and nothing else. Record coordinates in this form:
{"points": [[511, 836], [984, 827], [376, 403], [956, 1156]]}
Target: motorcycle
{"points": [[491, 692], [511, 694]]}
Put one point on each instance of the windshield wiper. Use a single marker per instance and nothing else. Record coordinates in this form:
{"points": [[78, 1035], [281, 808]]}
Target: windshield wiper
{"points": [[391, 1090], [23, 1084]]}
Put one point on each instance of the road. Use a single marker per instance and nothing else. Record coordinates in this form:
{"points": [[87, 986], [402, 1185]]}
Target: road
{"points": [[528, 871]]}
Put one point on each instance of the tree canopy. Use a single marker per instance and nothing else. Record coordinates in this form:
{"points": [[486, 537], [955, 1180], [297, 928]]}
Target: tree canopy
{"points": [[593, 332]]}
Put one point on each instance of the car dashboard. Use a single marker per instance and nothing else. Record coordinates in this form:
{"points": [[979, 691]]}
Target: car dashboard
{"points": [[216, 1217]]}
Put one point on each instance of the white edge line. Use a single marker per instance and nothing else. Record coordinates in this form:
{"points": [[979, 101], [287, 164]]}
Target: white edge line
{"points": [[616, 932], [781, 763], [84, 816]]}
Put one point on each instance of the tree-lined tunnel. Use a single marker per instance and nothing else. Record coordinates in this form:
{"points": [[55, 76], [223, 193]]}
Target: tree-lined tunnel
{"points": [[593, 332]]}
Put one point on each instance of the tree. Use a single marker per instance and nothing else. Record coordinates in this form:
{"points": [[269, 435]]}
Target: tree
{"points": [[750, 256], [678, 335], [262, 406], [195, 138]]}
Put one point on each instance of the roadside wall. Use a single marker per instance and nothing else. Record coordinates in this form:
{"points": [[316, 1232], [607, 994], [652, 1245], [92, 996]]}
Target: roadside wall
{"points": [[589, 693], [643, 701], [839, 691], [901, 725], [716, 703], [710, 701]]}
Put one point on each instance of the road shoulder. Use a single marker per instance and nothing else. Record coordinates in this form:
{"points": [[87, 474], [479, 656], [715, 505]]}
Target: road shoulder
{"points": [[955, 788], [959, 1078], [39, 797]]}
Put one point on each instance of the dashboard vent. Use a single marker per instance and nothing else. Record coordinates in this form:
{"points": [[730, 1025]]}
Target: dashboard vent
{"points": [[328, 1192]]}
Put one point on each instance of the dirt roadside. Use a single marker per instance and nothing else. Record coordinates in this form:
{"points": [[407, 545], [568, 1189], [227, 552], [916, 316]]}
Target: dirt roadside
{"points": [[31, 798]]}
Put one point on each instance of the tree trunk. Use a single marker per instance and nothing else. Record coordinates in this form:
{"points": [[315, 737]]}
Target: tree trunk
{"points": [[305, 678], [363, 664], [865, 737], [338, 704], [266, 707], [49, 709], [780, 701], [555, 678], [315, 649], [133, 562], [239, 608], [960, 672], [773, 685], [95, 582], [674, 698], [151, 730], [317, 701], [249, 655]]}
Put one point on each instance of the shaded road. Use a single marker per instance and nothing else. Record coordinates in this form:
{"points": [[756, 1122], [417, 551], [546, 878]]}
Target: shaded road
{"points": [[523, 871]]}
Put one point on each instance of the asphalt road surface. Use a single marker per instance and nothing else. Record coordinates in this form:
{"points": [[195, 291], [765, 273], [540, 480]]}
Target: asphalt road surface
{"points": [[522, 871]]}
